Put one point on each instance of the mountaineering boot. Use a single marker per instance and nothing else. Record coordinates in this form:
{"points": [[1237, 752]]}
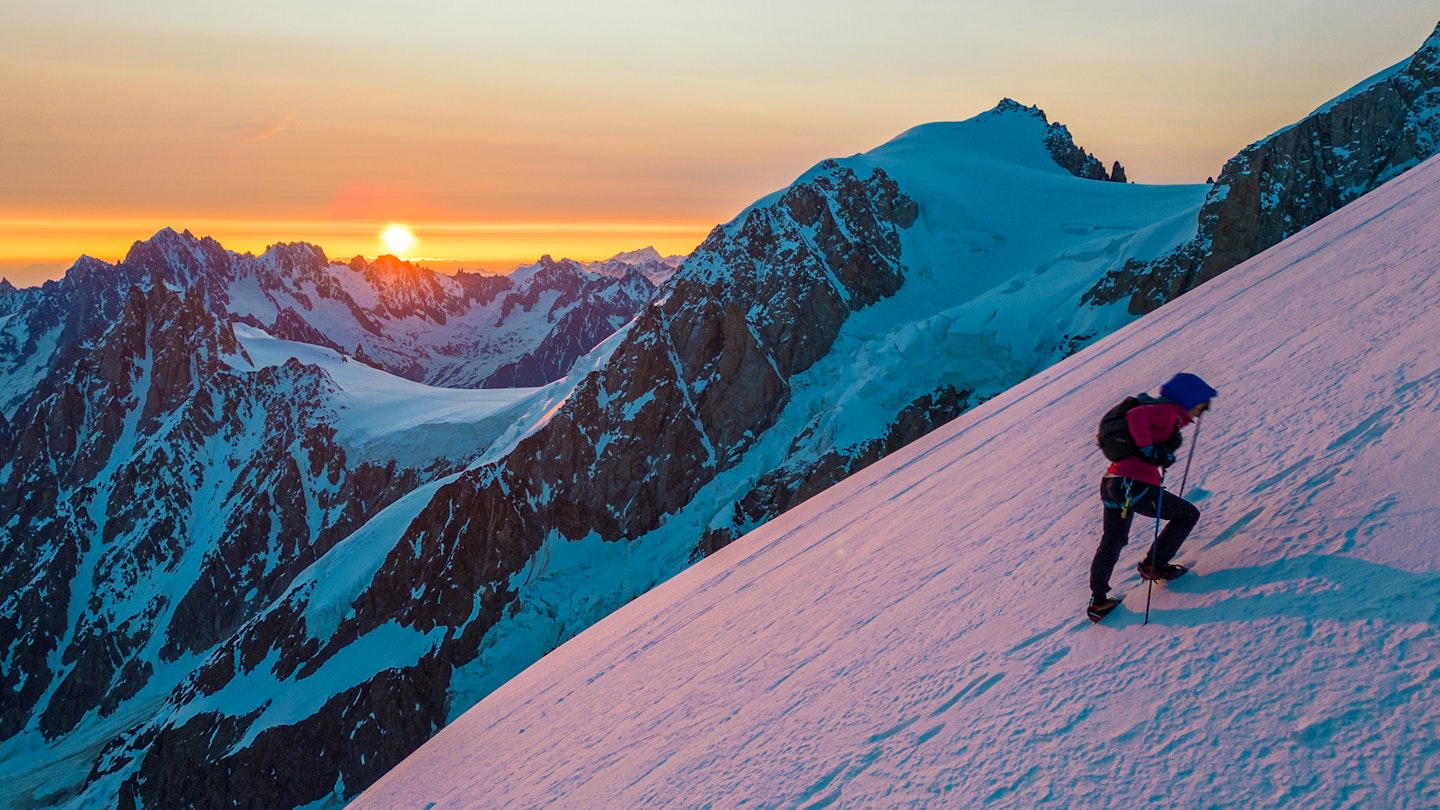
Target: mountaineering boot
{"points": [[1101, 607], [1164, 573]]}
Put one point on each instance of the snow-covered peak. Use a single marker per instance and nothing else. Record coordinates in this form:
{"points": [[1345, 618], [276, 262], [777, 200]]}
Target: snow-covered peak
{"points": [[387, 265], [915, 637], [645, 254], [294, 253], [1009, 133], [178, 249], [647, 261]]}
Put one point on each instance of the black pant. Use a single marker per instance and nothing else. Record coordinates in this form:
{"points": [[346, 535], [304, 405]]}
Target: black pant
{"points": [[1144, 499]]}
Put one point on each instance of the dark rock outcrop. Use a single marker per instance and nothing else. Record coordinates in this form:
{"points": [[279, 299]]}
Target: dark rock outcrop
{"points": [[799, 479], [1292, 179]]}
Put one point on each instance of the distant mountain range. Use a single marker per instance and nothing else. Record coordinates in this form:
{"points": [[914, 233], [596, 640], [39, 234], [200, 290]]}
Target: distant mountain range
{"points": [[464, 330], [256, 555]]}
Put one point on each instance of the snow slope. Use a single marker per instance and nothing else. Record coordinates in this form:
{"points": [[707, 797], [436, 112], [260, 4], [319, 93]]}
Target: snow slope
{"points": [[914, 636]]}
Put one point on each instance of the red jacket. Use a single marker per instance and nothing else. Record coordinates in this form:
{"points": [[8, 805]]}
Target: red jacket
{"points": [[1150, 424]]}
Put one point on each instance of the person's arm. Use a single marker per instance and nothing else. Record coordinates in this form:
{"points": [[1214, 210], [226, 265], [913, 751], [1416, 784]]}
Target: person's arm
{"points": [[1141, 419], [1147, 424]]}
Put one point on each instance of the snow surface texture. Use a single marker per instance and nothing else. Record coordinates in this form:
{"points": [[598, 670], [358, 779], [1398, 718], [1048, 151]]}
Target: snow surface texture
{"points": [[915, 635]]}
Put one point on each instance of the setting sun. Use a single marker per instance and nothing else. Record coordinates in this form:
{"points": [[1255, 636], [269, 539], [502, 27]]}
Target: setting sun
{"points": [[397, 238]]}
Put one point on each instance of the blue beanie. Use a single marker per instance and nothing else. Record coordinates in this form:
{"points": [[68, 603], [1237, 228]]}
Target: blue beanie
{"points": [[1187, 390]]}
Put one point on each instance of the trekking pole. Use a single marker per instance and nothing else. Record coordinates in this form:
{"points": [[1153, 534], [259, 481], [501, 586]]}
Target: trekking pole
{"points": [[1159, 500], [1194, 440], [1150, 583]]}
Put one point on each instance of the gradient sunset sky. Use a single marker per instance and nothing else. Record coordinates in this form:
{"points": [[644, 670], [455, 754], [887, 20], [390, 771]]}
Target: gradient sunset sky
{"points": [[501, 131]]}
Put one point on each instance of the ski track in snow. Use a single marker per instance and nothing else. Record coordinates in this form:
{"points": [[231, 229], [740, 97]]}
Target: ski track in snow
{"points": [[914, 637]]}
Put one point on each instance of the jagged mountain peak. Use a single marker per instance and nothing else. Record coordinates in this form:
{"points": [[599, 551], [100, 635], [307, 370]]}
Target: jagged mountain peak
{"points": [[289, 253], [388, 263], [646, 261], [180, 250], [1009, 132], [396, 277], [1010, 107], [86, 272], [645, 254]]}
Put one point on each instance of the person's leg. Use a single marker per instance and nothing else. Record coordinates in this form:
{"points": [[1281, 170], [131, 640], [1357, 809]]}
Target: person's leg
{"points": [[1115, 533], [1180, 516]]}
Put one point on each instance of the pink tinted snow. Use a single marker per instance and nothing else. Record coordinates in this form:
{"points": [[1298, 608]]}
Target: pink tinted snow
{"points": [[915, 636]]}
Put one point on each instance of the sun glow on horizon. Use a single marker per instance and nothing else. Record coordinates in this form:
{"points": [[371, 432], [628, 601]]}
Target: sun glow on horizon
{"points": [[38, 247], [398, 239]]}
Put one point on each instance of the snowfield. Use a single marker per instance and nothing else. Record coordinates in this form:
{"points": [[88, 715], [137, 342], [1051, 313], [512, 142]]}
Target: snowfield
{"points": [[384, 417], [915, 636]]}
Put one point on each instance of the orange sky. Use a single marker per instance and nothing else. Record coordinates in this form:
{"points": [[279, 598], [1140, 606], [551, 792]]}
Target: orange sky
{"points": [[586, 129]]}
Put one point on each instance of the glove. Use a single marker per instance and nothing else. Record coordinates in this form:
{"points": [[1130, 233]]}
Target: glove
{"points": [[1157, 455]]}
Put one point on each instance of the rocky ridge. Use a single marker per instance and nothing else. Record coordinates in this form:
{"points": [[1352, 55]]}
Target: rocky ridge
{"points": [[144, 454], [1295, 177], [648, 261]]}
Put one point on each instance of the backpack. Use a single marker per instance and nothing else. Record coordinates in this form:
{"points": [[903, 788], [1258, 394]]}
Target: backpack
{"points": [[1113, 437]]}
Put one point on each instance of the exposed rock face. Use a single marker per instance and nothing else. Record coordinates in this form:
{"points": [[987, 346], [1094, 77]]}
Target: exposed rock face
{"points": [[11, 299], [47, 322], [695, 379], [799, 478], [140, 454], [108, 475], [1293, 178]]}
